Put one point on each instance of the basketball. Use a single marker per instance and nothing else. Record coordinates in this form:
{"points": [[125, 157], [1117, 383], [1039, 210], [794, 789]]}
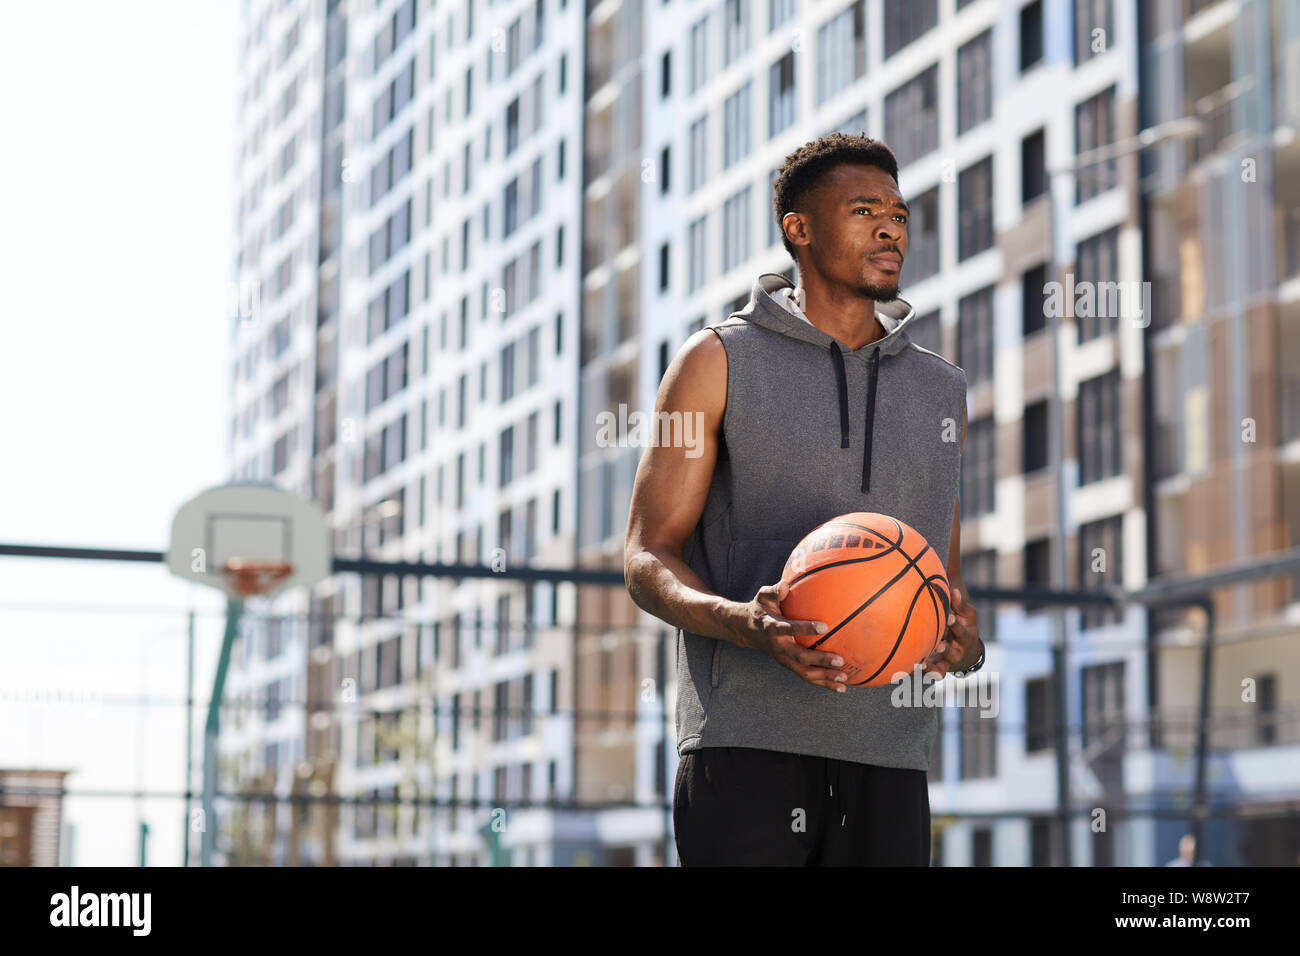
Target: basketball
{"points": [[880, 588]]}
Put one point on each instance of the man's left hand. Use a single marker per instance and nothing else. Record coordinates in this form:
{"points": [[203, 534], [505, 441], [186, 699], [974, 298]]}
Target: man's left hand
{"points": [[961, 645]]}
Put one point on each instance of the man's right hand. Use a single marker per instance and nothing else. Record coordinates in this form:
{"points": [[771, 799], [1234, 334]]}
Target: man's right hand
{"points": [[760, 625]]}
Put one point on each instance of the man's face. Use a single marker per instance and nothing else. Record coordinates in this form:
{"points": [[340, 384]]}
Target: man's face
{"points": [[859, 230]]}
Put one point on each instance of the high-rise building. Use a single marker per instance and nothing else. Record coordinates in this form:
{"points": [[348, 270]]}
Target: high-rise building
{"points": [[474, 234], [1221, 228], [409, 187]]}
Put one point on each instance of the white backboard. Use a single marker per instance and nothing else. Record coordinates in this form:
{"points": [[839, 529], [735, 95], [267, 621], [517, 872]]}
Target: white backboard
{"points": [[252, 521]]}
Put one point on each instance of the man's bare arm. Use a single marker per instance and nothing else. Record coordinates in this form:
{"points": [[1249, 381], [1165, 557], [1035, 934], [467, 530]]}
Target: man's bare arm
{"points": [[669, 492], [668, 497]]}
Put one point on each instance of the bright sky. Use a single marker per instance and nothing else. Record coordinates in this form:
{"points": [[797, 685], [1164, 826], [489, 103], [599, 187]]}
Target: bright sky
{"points": [[116, 196]]}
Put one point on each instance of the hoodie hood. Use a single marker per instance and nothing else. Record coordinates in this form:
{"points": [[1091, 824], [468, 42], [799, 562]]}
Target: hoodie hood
{"points": [[766, 308]]}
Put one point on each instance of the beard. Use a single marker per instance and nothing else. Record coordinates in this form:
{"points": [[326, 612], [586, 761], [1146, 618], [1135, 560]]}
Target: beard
{"points": [[879, 292]]}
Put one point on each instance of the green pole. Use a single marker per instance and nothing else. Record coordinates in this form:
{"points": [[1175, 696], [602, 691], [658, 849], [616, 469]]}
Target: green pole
{"points": [[233, 610], [189, 742]]}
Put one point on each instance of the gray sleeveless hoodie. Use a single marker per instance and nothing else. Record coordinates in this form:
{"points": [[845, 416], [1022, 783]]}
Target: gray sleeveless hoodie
{"points": [[812, 430]]}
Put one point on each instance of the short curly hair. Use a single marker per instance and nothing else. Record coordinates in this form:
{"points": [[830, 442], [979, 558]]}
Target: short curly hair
{"points": [[803, 169]]}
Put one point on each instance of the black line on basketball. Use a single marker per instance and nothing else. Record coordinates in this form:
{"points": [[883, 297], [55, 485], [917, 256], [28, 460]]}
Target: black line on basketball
{"points": [[836, 564], [911, 563], [901, 633]]}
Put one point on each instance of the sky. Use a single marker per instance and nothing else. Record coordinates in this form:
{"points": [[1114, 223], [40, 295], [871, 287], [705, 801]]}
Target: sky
{"points": [[116, 244]]}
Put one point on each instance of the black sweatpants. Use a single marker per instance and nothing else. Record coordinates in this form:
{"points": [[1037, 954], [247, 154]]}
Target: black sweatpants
{"points": [[740, 806]]}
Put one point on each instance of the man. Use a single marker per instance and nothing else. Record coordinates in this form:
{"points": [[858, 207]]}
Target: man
{"points": [[813, 403]]}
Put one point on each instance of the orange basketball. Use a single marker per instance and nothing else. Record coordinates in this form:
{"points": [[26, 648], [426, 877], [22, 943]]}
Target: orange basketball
{"points": [[879, 586]]}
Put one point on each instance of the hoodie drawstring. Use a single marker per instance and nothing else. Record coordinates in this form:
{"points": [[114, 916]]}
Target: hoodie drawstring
{"points": [[873, 366], [871, 420], [838, 361]]}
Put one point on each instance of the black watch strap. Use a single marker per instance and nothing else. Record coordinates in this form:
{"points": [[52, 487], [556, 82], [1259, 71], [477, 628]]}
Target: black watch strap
{"points": [[979, 662]]}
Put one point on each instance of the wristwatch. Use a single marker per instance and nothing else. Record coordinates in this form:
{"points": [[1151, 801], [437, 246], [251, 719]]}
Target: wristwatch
{"points": [[979, 662]]}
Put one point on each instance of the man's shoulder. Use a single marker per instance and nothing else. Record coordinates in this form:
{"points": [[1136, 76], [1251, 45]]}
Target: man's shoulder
{"points": [[936, 363]]}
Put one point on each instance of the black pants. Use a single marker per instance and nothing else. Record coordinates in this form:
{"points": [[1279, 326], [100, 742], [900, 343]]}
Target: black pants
{"points": [[740, 806]]}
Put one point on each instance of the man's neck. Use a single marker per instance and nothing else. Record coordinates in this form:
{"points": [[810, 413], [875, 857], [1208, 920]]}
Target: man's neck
{"points": [[846, 318]]}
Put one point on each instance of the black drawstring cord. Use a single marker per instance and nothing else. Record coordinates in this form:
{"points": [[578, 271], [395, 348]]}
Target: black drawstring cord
{"points": [[838, 801], [838, 361], [871, 421]]}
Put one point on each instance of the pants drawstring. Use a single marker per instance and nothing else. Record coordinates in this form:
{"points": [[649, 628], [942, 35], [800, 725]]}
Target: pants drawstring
{"points": [[839, 801]]}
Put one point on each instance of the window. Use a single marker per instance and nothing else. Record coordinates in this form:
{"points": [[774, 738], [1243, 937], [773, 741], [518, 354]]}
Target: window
{"points": [[1038, 572], [665, 170], [778, 12], [912, 116], [666, 75], [512, 126], [980, 569], [979, 739], [1103, 705], [926, 332], [906, 20], [854, 125], [1266, 710], [1094, 127], [737, 128], [1096, 272], [508, 372], [530, 444], [936, 755], [975, 82], [697, 170], [534, 355], [1040, 841], [975, 201], [1034, 439], [923, 238], [1033, 304], [1099, 428], [1093, 29], [736, 30], [736, 230], [841, 51], [699, 53], [1031, 34], [978, 470], [507, 457], [773, 225], [975, 335], [1040, 732], [1033, 166], [697, 253], [1100, 553], [663, 267], [981, 849], [782, 102]]}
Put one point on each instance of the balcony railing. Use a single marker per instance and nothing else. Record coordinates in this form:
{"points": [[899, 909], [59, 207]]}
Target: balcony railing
{"points": [[1230, 730]]}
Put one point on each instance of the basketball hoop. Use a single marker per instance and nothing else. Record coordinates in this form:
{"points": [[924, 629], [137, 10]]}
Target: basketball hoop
{"points": [[249, 578]]}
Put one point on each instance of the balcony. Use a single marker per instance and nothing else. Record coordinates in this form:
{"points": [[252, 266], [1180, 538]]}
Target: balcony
{"points": [[1167, 459], [1291, 243], [1231, 729], [1166, 303], [1219, 125], [1290, 411], [1192, 7]]}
